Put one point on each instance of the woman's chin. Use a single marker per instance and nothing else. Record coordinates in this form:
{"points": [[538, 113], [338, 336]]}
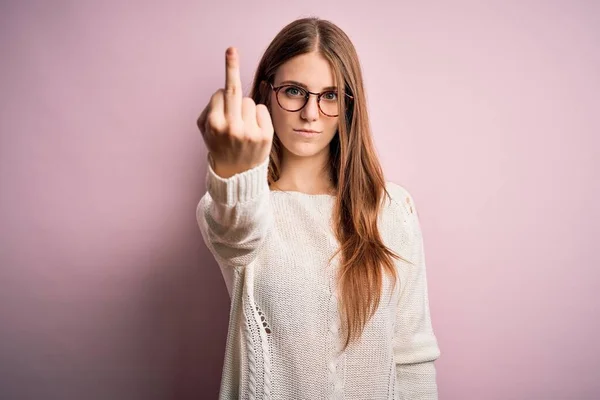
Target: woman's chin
{"points": [[301, 146], [300, 149]]}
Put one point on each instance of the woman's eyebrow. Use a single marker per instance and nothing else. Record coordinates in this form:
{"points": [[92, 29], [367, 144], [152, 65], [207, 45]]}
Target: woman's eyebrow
{"points": [[306, 87]]}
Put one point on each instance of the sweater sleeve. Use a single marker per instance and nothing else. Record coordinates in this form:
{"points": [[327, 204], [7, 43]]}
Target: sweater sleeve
{"points": [[416, 347], [234, 215]]}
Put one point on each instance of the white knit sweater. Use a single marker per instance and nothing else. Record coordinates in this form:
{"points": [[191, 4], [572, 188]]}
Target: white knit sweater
{"points": [[283, 340]]}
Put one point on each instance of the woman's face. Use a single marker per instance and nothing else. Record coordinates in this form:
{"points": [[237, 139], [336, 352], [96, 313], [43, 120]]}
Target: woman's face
{"points": [[314, 72]]}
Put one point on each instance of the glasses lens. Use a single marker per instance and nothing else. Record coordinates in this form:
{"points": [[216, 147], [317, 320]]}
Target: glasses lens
{"points": [[329, 104], [291, 98]]}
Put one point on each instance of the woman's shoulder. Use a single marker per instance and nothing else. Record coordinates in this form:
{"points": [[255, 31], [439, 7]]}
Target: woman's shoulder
{"points": [[397, 191], [400, 197]]}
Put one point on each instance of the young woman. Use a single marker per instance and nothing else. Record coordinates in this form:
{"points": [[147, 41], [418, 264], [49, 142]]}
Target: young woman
{"points": [[323, 258]]}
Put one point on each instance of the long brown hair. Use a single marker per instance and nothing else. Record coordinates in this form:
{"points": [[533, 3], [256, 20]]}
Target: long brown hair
{"points": [[354, 167]]}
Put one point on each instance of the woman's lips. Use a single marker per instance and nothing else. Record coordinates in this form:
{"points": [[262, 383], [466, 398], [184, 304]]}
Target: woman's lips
{"points": [[306, 133]]}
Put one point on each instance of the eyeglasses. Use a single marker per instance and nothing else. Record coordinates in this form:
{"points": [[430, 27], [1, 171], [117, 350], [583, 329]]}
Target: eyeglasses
{"points": [[293, 98]]}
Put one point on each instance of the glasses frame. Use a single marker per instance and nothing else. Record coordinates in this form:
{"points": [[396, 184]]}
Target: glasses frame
{"points": [[276, 89]]}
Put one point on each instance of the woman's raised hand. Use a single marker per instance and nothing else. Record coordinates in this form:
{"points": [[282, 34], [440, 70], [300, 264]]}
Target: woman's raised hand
{"points": [[238, 133]]}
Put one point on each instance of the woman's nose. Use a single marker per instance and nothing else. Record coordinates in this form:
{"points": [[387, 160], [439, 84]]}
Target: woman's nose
{"points": [[311, 109]]}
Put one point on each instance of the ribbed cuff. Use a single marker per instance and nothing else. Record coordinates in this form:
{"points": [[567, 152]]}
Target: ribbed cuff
{"points": [[239, 188]]}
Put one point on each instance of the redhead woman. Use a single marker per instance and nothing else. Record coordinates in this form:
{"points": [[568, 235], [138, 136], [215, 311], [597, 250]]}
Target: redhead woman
{"points": [[322, 256]]}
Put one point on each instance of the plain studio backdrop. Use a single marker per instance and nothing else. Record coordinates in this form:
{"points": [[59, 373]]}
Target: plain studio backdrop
{"points": [[486, 111]]}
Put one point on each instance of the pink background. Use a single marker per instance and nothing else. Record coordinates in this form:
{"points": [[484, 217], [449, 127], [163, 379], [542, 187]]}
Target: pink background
{"points": [[487, 113]]}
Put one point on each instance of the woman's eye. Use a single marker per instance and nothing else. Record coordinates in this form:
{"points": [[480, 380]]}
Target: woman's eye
{"points": [[294, 91], [330, 96]]}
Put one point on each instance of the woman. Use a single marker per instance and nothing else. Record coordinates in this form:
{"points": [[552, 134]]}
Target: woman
{"points": [[323, 258]]}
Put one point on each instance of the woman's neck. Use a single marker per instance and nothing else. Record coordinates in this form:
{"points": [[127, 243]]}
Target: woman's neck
{"points": [[308, 175]]}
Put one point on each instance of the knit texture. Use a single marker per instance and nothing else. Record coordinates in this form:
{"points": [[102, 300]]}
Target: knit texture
{"points": [[284, 338]]}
